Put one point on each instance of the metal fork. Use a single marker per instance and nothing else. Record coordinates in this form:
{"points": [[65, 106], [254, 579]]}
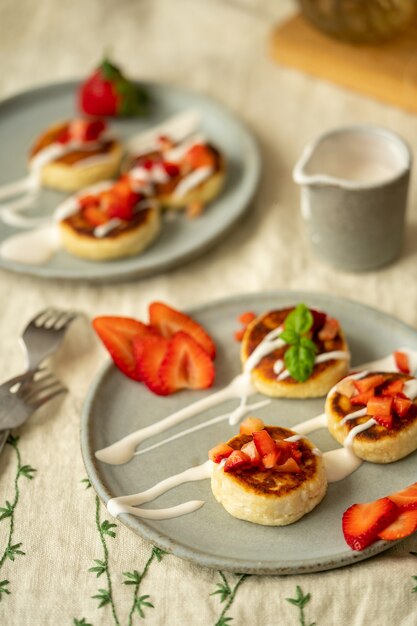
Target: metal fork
{"points": [[43, 335], [19, 398]]}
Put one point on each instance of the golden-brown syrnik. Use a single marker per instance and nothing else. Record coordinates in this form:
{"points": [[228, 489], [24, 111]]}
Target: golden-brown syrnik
{"points": [[270, 497], [323, 377]]}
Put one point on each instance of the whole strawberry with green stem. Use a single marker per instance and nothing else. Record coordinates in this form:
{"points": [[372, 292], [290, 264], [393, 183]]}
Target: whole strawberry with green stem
{"points": [[107, 92]]}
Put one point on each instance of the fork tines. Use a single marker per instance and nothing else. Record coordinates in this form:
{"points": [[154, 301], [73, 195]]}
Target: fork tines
{"points": [[54, 319], [41, 390]]}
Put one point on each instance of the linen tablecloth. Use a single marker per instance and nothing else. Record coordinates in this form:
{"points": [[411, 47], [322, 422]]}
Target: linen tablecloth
{"points": [[218, 48]]}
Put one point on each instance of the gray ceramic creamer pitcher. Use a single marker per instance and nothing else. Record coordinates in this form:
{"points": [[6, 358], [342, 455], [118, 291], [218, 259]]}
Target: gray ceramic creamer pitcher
{"points": [[354, 186]]}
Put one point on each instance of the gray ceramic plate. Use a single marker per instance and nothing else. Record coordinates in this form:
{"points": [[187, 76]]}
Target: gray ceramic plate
{"points": [[117, 406], [24, 116]]}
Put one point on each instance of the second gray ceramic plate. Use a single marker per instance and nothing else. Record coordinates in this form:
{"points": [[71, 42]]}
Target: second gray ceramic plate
{"points": [[117, 406], [26, 115]]}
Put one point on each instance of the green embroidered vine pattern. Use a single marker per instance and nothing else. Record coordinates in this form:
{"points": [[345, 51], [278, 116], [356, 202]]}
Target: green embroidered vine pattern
{"points": [[105, 596], [227, 594], [8, 512], [300, 601]]}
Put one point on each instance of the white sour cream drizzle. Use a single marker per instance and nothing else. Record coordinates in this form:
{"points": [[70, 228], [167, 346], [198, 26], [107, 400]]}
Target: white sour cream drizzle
{"points": [[192, 180], [31, 185], [339, 463], [178, 127], [127, 504], [34, 247]]}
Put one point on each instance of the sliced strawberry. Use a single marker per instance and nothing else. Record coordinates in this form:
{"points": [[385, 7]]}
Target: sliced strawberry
{"points": [[406, 498], [250, 450], [362, 523], [247, 317], [403, 526], [237, 460], [186, 365], [370, 382], [330, 329], [220, 452], [401, 405], [251, 425], [394, 387], [149, 353], [169, 321], [402, 362], [379, 405], [290, 465], [117, 334], [94, 216], [362, 398], [384, 420]]}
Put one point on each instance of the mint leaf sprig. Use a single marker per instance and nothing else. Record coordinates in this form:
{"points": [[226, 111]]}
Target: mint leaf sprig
{"points": [[300, 356]]}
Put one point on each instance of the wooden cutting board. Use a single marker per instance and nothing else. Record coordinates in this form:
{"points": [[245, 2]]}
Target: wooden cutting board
{"points": [[386, 71]]}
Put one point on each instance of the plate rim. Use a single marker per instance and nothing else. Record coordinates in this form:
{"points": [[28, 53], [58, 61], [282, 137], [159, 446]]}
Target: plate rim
{"points": [[161, 539], [166, 264]]}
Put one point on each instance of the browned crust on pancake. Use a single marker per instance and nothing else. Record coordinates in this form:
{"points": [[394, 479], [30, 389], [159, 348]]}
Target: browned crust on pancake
{"points": [[50, 135], [339, 405], [271, 482], [264, 324], [83, 228]]}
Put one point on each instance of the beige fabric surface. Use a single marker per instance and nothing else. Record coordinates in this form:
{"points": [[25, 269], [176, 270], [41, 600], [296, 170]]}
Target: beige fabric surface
{"points": [[219, 48]]}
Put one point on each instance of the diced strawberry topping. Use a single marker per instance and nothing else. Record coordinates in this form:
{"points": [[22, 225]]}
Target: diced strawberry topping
{"points": [[401, 405], [247, 317], [63, 136], [86, 130], [330, 329], [252, 453], [319, 319], [169, 321], [199, 155], [406, 498], [117, 334], [220, 452], [148, 164], [94, 216], [149, 353], [402, 362], [362, 523], [394, 387], [237, 460], [251, 425], [403, 526], [369, 382], [362, 398], [379, 405], [238, 335], [186, 365], [290, 465], [384, 420], [88, 200], [171, 169], [267, 448]]}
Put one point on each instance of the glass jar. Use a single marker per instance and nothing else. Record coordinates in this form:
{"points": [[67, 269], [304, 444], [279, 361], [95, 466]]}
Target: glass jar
{"points": [[359, 21]]}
